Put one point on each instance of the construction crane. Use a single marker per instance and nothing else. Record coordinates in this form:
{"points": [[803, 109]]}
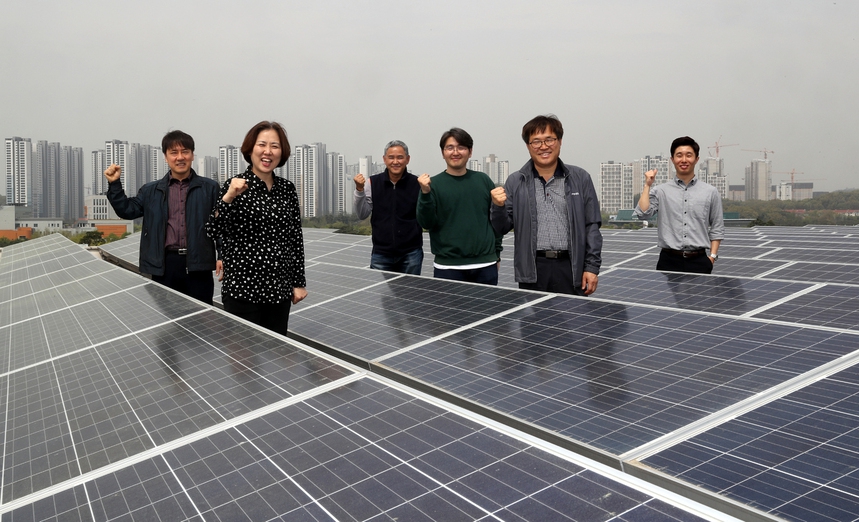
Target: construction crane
{"points": [[765, 151], [718, 145], [793, 174]]}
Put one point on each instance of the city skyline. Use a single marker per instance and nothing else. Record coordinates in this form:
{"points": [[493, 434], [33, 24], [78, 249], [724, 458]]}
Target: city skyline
{"points": [[624, 77]]}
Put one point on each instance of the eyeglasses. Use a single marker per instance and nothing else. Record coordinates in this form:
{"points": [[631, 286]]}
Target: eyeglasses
{"points": [[457, 148], [536, 144]]}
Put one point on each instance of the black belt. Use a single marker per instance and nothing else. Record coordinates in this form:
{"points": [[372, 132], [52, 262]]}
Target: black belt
{"points": [[554, 254], [180, 251], [685, 253]]}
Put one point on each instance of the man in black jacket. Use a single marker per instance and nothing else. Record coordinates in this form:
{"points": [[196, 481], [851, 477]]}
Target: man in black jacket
{"points": [[392, 198], [174, 247]]}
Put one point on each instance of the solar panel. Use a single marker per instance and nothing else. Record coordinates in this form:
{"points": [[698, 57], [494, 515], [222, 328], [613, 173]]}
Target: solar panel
{"points": [[126, 400], [640, 369], [794, 457]]}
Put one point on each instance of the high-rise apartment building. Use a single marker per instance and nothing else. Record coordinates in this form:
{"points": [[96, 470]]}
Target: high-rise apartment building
{"points": [[207, 167], [759, 180], [611, 186], [473, 164], [19, 161], [307, 172], [71, 183], [99, 165], [230, 162], [712, 171], [335, 164]]}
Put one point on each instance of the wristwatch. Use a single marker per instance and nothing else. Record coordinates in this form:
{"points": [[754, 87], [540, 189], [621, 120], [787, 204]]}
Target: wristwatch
{"points": [[714, 256]]}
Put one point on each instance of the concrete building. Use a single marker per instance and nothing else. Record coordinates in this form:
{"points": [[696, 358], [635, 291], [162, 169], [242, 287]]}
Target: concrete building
{"points": [[712, 171], [787, 191], [307, 172], [473, 164], [230, 162], [19, 164], [97, 161], [335, 164], [737, 192], [207, 167], [759, 180], [99, 215], [71, 183]]}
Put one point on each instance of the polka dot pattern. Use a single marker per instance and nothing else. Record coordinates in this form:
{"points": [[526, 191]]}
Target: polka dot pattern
{"points": [[263, 248]]}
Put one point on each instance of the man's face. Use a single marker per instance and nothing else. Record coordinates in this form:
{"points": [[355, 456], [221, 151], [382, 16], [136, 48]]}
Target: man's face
{"points": [[545, 147], [396, 160], [684, 160], [179, 159], [455, 155]]}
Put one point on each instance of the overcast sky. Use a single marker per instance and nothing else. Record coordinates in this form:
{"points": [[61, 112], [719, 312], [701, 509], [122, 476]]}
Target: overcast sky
{"points": [[624, 77]]}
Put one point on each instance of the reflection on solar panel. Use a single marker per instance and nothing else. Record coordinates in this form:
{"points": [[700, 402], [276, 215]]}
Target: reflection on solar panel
{"points": [[126, 401], [733, 389]]}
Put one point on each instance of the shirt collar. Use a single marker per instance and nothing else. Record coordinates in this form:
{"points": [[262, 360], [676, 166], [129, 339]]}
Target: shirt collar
{"points": [[559, 170], [692, 181]]}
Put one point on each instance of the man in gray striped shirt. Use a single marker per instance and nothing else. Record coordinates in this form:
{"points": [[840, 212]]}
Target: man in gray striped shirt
{"points": [[690, 214]]}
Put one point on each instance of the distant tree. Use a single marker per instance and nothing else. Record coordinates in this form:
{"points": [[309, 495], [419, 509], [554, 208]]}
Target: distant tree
{"points": [[92, 238]]}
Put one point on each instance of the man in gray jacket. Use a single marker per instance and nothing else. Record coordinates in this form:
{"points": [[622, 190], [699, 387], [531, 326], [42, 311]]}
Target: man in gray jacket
{"points": [[555, 215]]}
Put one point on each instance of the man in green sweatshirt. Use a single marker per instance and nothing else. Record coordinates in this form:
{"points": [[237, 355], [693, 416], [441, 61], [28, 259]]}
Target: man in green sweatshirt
{"points": [[454, 207]]}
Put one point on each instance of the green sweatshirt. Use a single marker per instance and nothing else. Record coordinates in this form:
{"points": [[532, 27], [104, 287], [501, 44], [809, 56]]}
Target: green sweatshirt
{"points": [[456, 214]]}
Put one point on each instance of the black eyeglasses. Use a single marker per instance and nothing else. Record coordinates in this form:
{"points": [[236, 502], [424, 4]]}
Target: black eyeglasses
{"points": [[536, 144]]}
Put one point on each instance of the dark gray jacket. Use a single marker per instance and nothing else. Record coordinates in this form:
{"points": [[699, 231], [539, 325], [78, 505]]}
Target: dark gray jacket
{"points": [[151, 203], [520, 215]]}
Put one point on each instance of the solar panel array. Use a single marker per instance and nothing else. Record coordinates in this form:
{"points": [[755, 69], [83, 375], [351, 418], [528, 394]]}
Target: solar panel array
{"points": [[124, 400], [735, 389]]}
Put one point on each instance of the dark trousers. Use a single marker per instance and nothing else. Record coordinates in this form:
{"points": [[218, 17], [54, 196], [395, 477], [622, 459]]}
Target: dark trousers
{"points": [[275, 316], [554, 275], [692, 265], [488, 275], [199, 285]]}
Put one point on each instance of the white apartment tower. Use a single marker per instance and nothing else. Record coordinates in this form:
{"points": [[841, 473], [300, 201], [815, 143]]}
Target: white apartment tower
{"points": [[307, 172], [99, 183], [19, 158], [335, 164], [117, 153], [610, 186], [230, 162], [712, 171], [473, 164], [758, 180]]}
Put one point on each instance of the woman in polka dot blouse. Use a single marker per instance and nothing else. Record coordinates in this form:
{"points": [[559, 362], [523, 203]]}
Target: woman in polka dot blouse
{"points": [[259, 223]]}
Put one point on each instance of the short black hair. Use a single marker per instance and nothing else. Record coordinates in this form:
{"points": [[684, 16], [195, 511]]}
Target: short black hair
{"points": [[461, 137], [684, 141], [177, 137], [548, 122]]}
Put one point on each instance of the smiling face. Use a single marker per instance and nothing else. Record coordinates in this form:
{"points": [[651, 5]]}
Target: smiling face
{"points": [[455, 155], [266, 152], [545, 155], [179, 159], [396, 160], [684, 160]]}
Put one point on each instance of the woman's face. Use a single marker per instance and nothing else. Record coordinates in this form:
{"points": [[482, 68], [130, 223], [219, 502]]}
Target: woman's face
{"points": [[267, 152]]}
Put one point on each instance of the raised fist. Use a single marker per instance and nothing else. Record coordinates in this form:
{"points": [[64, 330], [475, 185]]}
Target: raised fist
{"points": [[424, 180], [113, 173], [359, 182], [499, 196]]}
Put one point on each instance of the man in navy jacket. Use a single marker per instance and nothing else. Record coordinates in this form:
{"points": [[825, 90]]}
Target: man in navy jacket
{"points": [[174, 247]]}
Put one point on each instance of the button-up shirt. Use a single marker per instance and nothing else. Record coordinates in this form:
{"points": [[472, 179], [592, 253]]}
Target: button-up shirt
{"points": [[177, 194], [690, 216], [553, 228]]}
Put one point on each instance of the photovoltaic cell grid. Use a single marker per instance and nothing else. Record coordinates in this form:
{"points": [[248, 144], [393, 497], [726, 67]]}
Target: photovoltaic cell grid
{"points": [[381, 319], [150, 368], [795, 457], [362, 451], [753, 360], [726, 295], [612, 376]]}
